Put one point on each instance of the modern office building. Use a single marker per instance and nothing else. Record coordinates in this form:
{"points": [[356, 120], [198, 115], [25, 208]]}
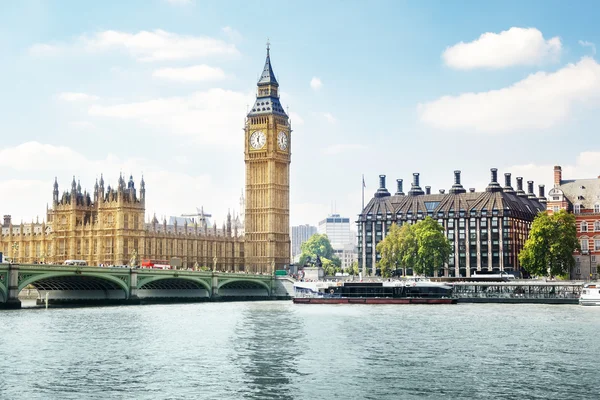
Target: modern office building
{"points": [[487, 229], [300, 234], [582, 198], [343, 240]]}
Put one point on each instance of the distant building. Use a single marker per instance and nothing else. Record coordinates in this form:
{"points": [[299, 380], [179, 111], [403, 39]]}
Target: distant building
{"points": [[300, 234], [487, 229], [582, 198], [343, 240]]}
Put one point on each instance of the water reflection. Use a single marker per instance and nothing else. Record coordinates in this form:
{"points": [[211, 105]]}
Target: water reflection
{"points": [[266, 343]]}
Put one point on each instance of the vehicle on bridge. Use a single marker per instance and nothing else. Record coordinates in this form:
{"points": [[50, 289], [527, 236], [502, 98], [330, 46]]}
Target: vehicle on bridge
{"points": [[75, 262], [155, 264]]}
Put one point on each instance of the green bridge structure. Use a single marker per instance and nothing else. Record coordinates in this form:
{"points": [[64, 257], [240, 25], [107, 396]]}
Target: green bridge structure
{"points": [[62, 284]]}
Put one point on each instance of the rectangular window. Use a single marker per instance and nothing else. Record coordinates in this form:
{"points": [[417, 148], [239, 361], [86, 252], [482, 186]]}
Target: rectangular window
{"points": [[597, 245], [555, 209], [577, 208], [584, 226], [584, 245]]}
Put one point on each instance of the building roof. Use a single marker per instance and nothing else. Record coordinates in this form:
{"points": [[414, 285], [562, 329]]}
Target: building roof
{"points": [[585, 192], [268, 76]]}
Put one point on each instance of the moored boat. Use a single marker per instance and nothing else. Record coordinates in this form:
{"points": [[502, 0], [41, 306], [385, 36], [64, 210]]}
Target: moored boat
{"points": [[590, 295], [389, 292]]}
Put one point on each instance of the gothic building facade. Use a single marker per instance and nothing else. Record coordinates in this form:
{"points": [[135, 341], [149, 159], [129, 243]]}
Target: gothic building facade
{"points": [[487, 229], [107, 226]]}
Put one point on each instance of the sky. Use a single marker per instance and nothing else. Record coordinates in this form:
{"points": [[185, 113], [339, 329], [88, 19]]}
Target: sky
{"points": [[160, 88]]}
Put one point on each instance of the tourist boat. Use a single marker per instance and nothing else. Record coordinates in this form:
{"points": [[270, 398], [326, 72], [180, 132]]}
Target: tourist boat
{"points": [[388, 292], [590, 295]]}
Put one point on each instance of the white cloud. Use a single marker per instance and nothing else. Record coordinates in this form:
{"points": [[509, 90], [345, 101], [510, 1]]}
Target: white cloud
{"points": [[585, 166], [212, 117], [145, 46], [342, 148], [161, 183], [195, 73], [82, 125], [315, 83], [296, 119], [330, 118], [232, 34], [75, 96], [540, 101], [516, 46], [591, 45]]}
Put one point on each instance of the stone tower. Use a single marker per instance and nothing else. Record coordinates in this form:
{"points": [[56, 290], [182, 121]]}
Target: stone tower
{"points": [[267, 152]]}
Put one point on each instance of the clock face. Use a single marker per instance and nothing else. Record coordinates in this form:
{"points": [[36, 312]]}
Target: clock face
{"points": [[257, 140], [282, 140]]}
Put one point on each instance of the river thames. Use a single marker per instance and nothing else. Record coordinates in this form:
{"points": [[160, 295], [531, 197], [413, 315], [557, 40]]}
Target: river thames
{"points": [[278, 350]]}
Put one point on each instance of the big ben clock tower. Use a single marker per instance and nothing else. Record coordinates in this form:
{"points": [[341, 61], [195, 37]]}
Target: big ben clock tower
{"points": [[267, 156]]}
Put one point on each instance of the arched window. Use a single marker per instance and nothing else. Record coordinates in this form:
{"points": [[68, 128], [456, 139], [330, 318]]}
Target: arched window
{"points": [[584, 226], [597, 208], [597, 226], [584, 244], [577, 208]]}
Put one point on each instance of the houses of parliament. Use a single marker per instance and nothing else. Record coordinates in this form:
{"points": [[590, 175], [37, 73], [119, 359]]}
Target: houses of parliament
{"points": [[107, 226]]}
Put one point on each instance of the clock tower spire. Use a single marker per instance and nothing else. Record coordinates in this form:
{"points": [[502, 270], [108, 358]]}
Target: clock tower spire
{"points": [[267, 158]]}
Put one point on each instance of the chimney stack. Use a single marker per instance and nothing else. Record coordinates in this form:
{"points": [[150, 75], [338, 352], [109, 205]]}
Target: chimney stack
{"points": [[415, 190], [530, 194], [427, 189], [442, 191], [557, 175], [494, 186], [542, 194], [507, 184], [457, 187], [7, 219], [399, 191], [520, 191], [471, 190], [382, 191]]}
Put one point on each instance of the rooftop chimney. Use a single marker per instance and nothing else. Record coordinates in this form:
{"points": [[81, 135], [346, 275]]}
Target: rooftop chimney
{"points": [[442, 191], [399, 191], [541, 194], [530, 194], [415, 190], [507, 184], [457, 187], [471, 190], [520, 191], [382, 191], [557, 175], [7, 219], [494, 186], [427, 189]]}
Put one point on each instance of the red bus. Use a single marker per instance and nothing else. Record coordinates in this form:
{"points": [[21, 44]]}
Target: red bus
{"points": [[156, 264]]}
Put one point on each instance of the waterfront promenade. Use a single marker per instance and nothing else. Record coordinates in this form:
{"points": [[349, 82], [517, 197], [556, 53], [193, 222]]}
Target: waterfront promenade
{"points": [[63, 284]]}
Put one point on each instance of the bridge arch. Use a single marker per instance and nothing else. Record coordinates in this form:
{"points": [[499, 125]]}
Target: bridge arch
{"points": [[251, 283], [3, 294], [51, 281], [197, 281]]}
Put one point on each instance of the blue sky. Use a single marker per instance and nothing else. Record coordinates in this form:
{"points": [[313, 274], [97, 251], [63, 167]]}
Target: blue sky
{"points": [[160, 87]]}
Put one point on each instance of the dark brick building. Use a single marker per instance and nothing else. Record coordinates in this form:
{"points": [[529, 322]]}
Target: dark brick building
{"points": [[487, 229]]}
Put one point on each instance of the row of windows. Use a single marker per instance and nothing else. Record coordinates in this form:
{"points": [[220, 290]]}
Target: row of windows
{"points": [[577, 208], [585, 244], [584, 226]]}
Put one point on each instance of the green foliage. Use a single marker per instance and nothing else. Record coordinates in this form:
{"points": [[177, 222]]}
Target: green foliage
{"points": [[318, 245], [550, 246], [353, 268], [422, 247]]}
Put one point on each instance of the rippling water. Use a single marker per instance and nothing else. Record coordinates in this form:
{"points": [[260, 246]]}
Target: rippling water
{"points": [[277, 350]]}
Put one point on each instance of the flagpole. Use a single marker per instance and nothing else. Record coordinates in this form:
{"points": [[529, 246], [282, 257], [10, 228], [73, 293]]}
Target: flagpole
{"points": [[363, 194]]}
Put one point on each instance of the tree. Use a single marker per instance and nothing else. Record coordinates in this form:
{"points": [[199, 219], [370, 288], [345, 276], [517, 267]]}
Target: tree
{"points": [[389, 249], [550, 245], [421, 247], [433, 246], [318, 245], [353, 268]]}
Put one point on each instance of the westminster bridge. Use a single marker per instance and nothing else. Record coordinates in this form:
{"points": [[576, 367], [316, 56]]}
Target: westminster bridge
{"points": [[62, 284]]}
